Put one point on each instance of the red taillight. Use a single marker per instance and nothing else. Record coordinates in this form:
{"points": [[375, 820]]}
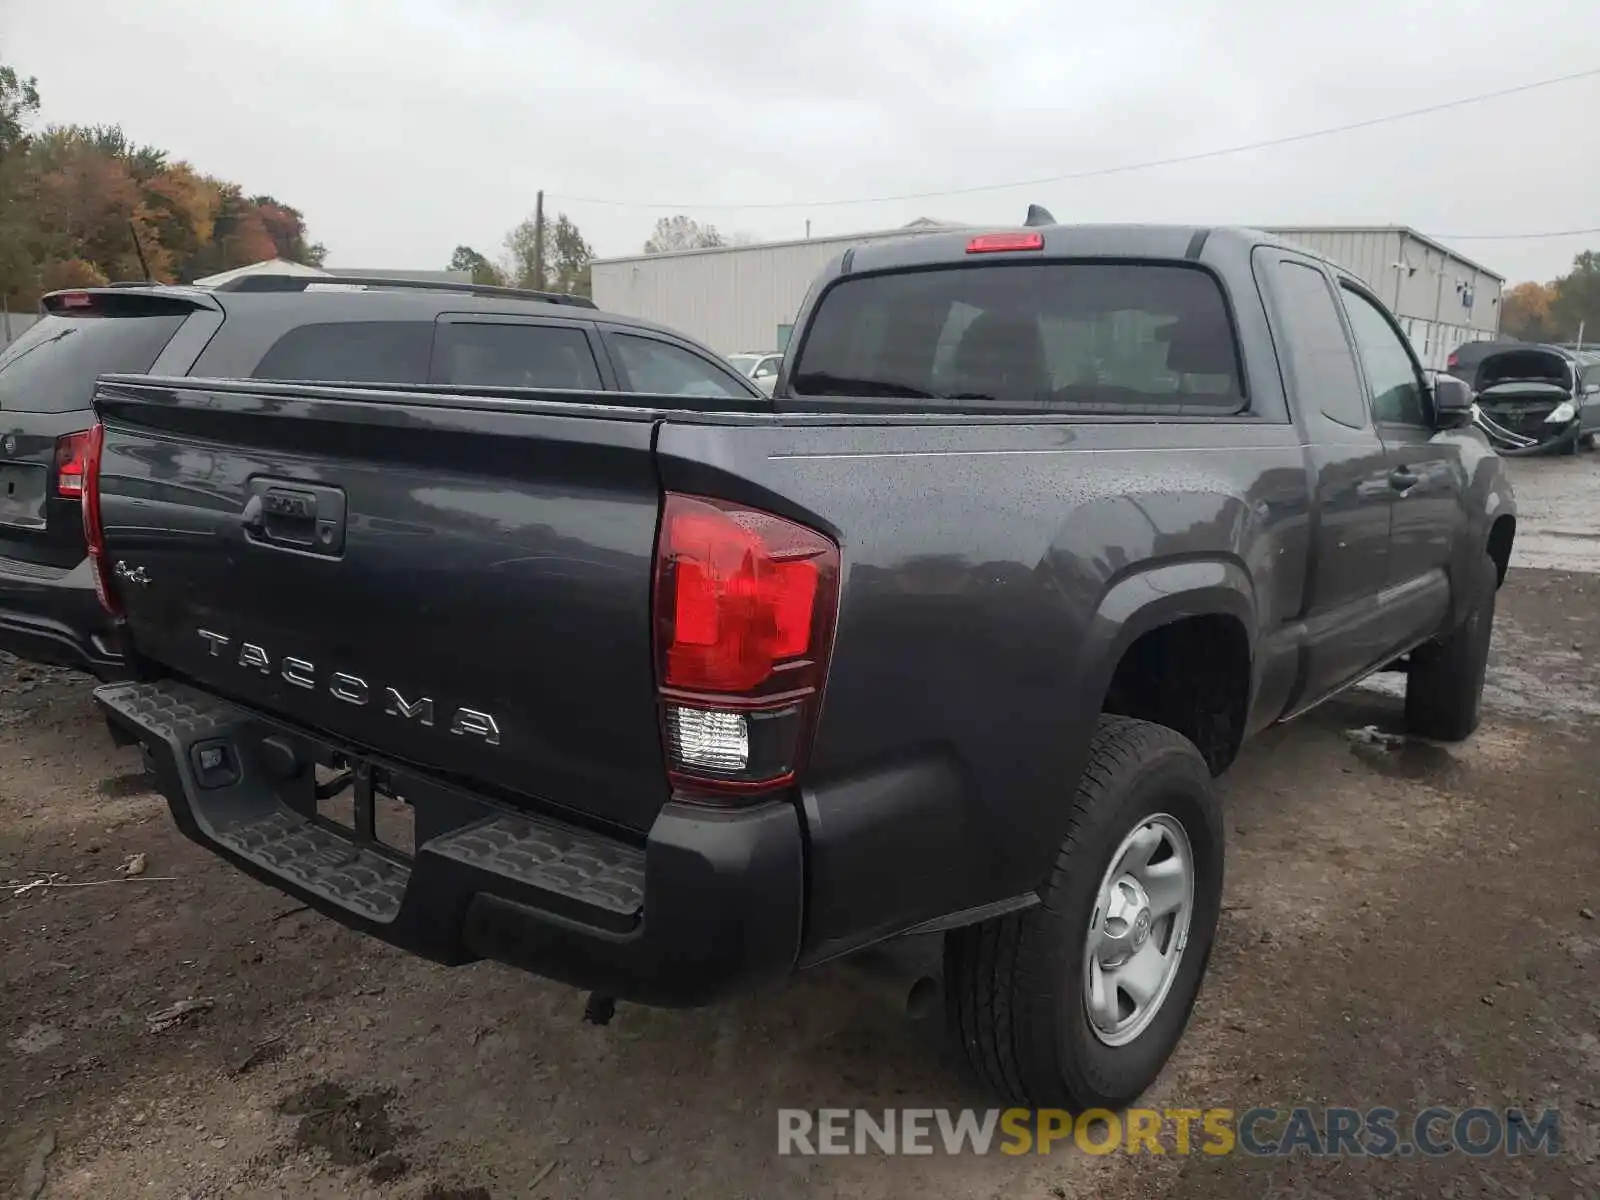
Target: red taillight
{"points": [[744, 618], [72, 452], [93, 533], [1453, 360], [991, 243]]}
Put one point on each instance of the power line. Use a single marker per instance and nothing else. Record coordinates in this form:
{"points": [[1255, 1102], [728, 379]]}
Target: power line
{"points": [[1511, 237], [1099, 172]]}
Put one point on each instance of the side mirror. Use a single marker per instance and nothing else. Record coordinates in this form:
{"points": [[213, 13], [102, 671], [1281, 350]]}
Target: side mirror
{"points": [[1452, 401]]}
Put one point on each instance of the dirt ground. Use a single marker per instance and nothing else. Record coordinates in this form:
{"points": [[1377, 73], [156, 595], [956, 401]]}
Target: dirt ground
{"points": [[1406, 926]]}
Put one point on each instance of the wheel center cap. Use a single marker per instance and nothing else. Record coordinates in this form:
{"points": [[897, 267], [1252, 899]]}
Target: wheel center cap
{"points": [[1141, 929]]}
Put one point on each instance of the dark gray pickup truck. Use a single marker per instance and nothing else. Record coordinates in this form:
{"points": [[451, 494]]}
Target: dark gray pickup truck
{"points": [[662, 696]]}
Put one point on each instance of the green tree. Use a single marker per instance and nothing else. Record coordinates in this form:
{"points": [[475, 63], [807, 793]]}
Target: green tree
{"points": [[1577, 300], [567, 258], [522, 266], [19, 104], [682, 233], [483, 271], [19, 268]]}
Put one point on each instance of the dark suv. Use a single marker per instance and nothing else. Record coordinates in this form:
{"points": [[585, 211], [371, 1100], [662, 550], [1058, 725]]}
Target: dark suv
{"points": [[272, 327]]}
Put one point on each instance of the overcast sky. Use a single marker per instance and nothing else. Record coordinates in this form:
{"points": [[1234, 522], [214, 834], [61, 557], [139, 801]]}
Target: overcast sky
{"points": [[402, 128]]}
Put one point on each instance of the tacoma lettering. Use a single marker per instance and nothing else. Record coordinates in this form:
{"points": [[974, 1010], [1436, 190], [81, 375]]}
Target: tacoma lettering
{"points": [[352, 689]]}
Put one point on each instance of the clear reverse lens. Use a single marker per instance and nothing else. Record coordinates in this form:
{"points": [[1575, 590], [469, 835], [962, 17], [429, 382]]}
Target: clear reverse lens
{"points": [[708, 740]]}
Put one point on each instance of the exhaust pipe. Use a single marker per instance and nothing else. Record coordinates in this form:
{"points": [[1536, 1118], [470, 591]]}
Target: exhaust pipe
{"points": [[905, 973]]}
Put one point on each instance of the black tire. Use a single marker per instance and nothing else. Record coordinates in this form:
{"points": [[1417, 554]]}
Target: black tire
{"points": [[1444, 687], [1014, 986]]}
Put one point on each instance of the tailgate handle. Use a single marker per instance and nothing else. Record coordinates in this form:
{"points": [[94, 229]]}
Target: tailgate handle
{"points": [[291, 515]]}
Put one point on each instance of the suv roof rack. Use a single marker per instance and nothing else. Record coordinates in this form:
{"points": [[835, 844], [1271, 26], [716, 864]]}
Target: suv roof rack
{"points": [[299, 283]]}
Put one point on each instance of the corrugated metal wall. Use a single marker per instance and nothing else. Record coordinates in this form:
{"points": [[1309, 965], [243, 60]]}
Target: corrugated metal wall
{"points": [[741, 298], [1439, 299], [731, 299]]}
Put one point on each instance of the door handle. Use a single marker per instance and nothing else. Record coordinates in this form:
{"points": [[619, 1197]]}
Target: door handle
{"points": [[1403, 479]]}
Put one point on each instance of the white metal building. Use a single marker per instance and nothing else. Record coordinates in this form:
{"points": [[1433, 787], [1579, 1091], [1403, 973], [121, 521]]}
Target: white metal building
{"points": [[744, 298]]}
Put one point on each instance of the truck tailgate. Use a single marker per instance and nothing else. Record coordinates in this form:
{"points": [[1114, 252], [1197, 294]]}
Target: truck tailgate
{"points": [[463, 584]]}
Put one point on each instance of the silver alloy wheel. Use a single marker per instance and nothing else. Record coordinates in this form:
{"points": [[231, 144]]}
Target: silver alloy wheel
{"points": [[1139, 929]]}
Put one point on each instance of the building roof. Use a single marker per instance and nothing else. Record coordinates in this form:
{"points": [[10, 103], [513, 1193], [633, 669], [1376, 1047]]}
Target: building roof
{"points": [[1403, 230], [927, 225], [270, 266], [387, 273], [831, 239]]}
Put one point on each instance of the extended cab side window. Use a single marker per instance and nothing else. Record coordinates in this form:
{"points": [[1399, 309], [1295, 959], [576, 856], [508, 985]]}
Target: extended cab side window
{"points": [[513, 354], [1396, 388], [1320, 360], [351, 352], [662, 369]]}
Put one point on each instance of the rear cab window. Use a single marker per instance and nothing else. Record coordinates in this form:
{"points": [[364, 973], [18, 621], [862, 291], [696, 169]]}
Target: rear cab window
{"points": [[52, 367], [1070, 337]]}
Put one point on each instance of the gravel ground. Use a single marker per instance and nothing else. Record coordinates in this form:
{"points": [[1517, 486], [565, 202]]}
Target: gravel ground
{"points": [[1404, 925]]}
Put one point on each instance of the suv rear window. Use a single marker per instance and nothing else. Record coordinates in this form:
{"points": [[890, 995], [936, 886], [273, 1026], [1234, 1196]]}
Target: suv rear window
{"points": [[53, 365], [1067, 337]]}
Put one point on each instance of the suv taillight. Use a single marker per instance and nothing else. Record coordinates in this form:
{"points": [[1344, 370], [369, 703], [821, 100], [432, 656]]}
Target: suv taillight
{"points": [[93, 534], [71, 455], [744, 612]]}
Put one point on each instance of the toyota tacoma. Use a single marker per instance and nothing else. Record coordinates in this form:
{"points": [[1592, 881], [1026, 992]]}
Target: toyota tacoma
{"points": [[663, 695]]}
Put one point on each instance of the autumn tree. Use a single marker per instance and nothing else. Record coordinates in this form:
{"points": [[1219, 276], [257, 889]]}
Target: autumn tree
{"points": [[1525, 311], [287, 229], [682, 233], [81, 202], [482, 270]]}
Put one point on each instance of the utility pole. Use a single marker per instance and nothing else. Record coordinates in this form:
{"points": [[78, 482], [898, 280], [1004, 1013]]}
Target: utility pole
{"points": [[538, 242]]}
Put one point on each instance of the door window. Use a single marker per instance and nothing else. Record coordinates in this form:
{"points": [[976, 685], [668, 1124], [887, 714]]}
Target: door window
{"points": [[1392, 379], [662, 369], [511, 354]]}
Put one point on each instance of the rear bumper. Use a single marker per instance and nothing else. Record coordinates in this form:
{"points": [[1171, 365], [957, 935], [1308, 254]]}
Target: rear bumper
{"points": [[53, 616], [708, 902]]}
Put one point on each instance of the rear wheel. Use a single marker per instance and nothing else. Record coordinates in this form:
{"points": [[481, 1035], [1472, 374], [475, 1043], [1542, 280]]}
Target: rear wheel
{"points": [[1444, 687], [1079, 1001]]}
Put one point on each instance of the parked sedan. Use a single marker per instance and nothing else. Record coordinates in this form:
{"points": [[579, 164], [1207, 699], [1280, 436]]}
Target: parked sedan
{"points": [[759, 369], [1537, 399]]}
